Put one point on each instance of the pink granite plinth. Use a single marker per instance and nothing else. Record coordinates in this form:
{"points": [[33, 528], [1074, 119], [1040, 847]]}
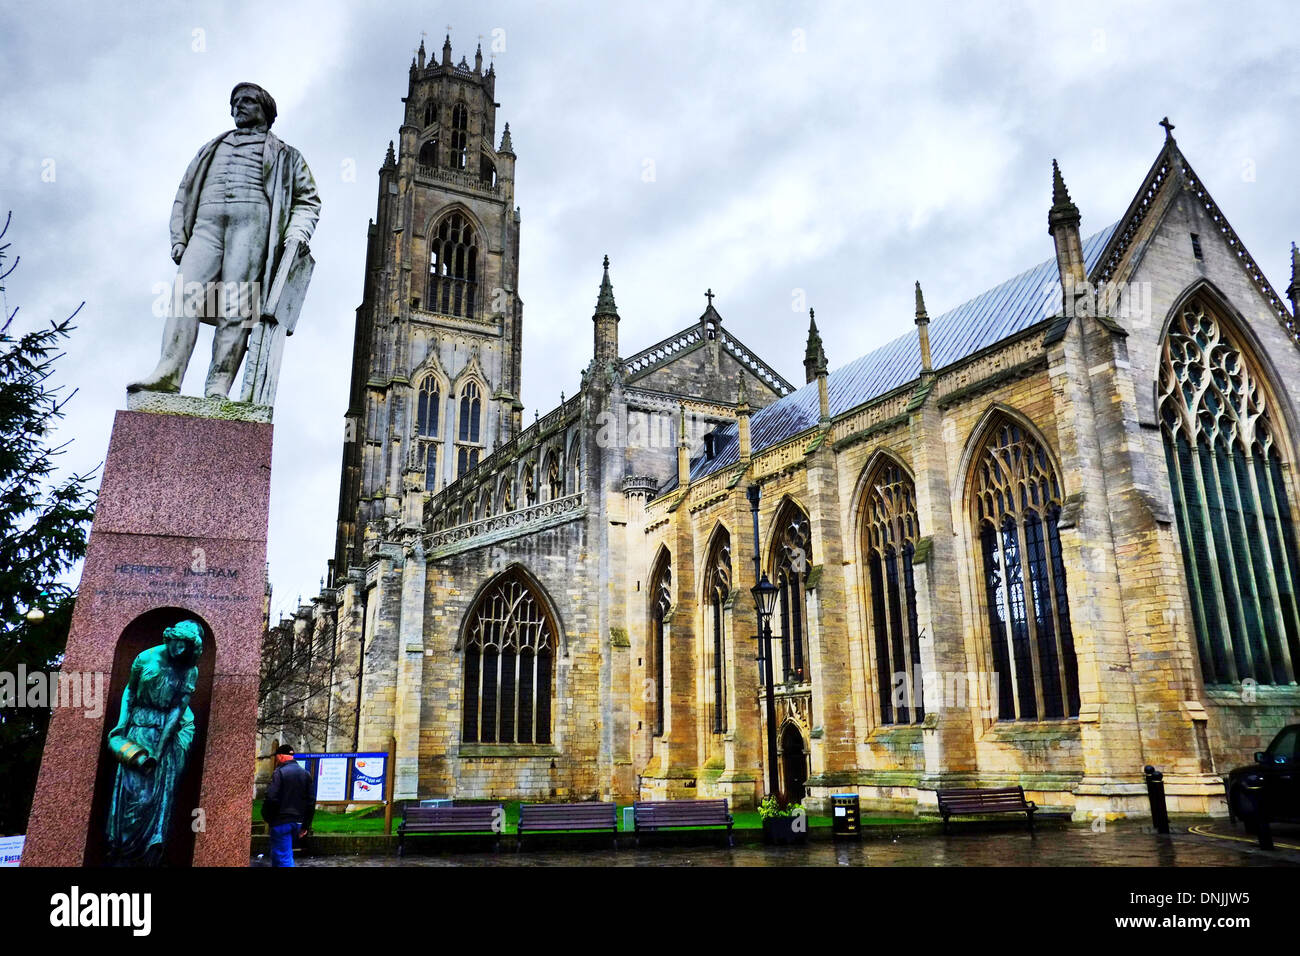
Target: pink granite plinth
{"points": [[180, 530]]}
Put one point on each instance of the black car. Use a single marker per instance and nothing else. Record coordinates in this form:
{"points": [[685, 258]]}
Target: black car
{"points": [[1271, 783]]}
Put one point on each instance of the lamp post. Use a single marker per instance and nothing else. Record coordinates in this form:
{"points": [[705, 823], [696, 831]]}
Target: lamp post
{"points": [[765, 593]]}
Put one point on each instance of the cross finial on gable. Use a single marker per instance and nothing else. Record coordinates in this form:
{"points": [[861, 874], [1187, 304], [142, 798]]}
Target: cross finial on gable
{"points": [[709, 295], [1169, 128]]}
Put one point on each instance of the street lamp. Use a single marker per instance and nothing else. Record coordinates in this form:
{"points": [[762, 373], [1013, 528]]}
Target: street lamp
{"points": [[765, 593]]}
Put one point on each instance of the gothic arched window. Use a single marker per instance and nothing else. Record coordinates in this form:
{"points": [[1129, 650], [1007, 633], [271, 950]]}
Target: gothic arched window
{"points": [[459, 136], [430, 113], [453, 267], [427, 408], [510, 641], [554, 477], [471, 412], [717, 588], [889, 534], [530, 484], [487, 171], [791, 561], [661, 600], [1234, 517], [1017, 506], [428, 155]]}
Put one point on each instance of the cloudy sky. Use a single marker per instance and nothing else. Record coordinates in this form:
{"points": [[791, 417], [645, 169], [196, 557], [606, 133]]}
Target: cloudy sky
{"points": [[841, 150]]}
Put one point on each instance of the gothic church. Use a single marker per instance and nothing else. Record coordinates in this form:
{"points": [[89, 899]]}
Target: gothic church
{"points": [[1044, 538]]}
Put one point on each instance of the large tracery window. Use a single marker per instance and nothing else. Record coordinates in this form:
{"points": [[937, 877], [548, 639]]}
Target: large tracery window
{"points": [[661, 600], [1234, 517], [509, 645], [717, 588], [1017, 507], [890, 532], [791, 562], [453, 267]]}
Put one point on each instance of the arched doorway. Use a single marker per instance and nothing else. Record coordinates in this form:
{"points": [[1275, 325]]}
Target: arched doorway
{"points": [[794, 763]]}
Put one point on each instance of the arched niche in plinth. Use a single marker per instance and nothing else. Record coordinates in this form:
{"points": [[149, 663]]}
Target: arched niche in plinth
{"points": [[143, 633]]}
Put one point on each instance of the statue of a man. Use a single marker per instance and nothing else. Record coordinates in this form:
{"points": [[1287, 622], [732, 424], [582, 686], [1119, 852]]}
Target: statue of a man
{"points": [[151, 743], [245, 195]]}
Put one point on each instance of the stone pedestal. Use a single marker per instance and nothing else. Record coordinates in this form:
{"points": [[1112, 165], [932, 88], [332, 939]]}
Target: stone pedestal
{"points": [[180, 531]]}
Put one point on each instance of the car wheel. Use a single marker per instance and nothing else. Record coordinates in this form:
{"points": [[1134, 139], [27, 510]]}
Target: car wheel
{"points": [[1243, 808]]}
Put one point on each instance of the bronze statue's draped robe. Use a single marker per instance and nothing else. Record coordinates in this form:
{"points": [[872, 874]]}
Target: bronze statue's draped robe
{"points": [[139, 816]]}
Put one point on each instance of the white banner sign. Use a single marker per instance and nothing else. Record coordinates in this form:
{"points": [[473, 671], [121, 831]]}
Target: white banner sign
{"points": [[11, 850], [368, 778], [332, 778]]}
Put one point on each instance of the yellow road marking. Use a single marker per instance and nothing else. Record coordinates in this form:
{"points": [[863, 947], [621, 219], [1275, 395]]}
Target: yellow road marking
{"points": [[1201, 831]]}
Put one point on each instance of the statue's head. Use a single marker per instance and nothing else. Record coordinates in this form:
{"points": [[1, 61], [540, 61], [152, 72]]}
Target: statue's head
{"points": [[251, 105], [184, 639]]}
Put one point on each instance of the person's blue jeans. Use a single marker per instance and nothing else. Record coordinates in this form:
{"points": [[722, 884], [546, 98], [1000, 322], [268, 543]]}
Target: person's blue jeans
{"points": [[282, 835]]}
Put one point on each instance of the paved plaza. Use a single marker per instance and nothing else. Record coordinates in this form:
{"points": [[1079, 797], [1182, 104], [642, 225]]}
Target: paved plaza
{"points": [[1209, 843]]}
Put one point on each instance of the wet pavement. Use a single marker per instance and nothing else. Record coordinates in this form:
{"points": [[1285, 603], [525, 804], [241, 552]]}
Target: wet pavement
{"points": [[1208, 843]]}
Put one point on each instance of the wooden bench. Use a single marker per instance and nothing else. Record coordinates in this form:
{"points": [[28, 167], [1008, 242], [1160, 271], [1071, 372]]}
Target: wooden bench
{"points": [[985, 800], [478, 818], [556, 817], [656, 815]]}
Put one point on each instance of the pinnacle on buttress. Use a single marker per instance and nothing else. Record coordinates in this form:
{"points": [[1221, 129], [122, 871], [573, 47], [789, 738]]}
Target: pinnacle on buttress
{"points": [[478, 59], [420, 55], [923, 330], [446, 51], [1293, 290], [605, 300], [814, 356], [390, 159], [1063, 210], [506, 146]]}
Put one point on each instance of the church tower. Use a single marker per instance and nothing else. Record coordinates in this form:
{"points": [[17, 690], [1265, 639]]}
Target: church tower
{"points": [[435, 360]]}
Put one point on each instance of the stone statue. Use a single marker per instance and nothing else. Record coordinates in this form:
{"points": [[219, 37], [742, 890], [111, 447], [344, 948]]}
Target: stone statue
{"points": [[151, 743], [243, 215]]}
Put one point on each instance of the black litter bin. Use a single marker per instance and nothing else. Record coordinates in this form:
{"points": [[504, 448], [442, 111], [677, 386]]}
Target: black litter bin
{"points": [[845, 816]]}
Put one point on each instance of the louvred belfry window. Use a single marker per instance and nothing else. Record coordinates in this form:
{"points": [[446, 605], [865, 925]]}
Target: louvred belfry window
{"points": [[890, 534], [1017, 509], [453, 267], [1226, 474], [509, 646]]}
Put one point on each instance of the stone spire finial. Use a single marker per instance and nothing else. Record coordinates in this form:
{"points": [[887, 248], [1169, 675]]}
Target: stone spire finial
{"points": [[390, 159], [1063, 227], [605, 300], [605, 320], [446, 50], [814, 356], [1293, 290], [923, 329], [420, 54], [478, 59], [1063, 208], [506, 145]]}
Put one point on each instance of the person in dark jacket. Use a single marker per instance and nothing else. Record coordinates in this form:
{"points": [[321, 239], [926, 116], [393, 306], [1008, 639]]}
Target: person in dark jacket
{"points": [[289, 805]]}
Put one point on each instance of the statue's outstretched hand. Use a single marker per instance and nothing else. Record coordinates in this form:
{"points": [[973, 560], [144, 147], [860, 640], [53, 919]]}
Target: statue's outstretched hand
{"points": [[178, 250]]}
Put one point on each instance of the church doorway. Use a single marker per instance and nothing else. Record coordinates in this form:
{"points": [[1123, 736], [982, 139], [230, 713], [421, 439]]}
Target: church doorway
{"points": [[794, 763]]}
